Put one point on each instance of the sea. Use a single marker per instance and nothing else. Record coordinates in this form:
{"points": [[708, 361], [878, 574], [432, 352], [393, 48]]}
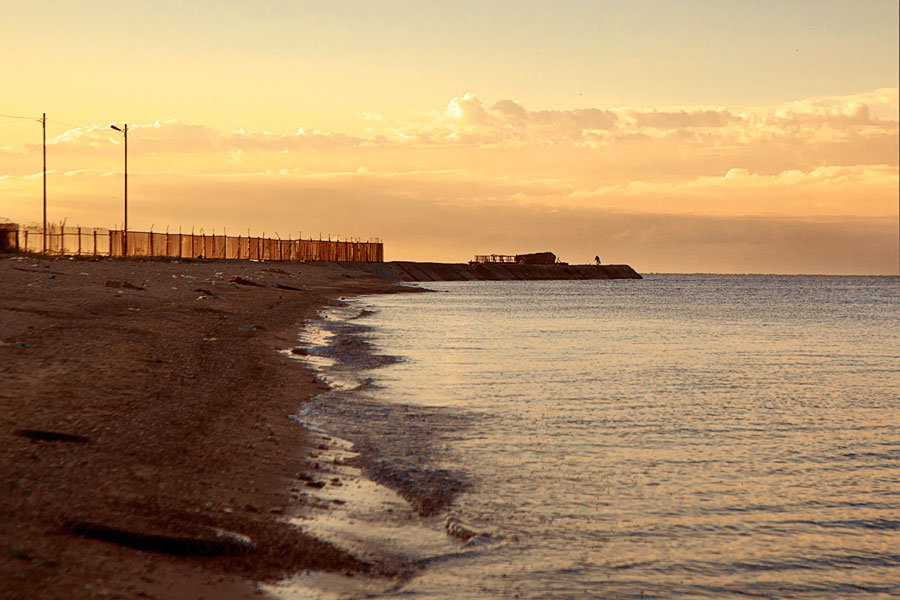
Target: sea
{"points": [[679, 436]]}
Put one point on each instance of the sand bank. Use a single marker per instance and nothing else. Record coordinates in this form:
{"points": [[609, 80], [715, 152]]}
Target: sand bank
{"points": [[167, 375]]}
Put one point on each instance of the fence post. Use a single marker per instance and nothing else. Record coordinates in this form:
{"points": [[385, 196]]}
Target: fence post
{"points": [[26, 241], [95, 241], [79, 240]]}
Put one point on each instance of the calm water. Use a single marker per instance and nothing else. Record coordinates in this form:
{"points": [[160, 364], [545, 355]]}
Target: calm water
{"points": [[676, 437]]}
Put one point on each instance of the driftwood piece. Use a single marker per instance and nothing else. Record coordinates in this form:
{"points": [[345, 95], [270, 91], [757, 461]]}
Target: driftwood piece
{"points": [[209, 542], [244, 281], [123, 284], [50, 436]]}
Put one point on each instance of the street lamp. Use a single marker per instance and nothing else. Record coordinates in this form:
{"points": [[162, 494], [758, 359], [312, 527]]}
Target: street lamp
{"points": [[44, 236], [124, 131]]}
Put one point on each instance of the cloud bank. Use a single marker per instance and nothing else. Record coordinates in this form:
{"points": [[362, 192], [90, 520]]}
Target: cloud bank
{"points": [[806, 186]]}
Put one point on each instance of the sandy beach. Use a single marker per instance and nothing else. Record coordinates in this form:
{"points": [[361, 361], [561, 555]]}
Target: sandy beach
{"points": [[146, 402]]}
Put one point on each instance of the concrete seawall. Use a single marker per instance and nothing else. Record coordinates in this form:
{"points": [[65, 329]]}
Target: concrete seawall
{"points": [[419, 271]]}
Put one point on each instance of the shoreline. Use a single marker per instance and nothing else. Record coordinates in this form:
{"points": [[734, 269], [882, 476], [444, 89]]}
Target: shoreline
{"points": [[393, 441], [374, 490], [184, 415]]}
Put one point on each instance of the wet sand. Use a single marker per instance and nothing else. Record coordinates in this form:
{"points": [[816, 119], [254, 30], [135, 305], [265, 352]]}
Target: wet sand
{"points": [[166, 376]]}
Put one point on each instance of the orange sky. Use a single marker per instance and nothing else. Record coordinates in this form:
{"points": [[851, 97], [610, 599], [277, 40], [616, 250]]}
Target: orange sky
{"points": [[258, 123]]}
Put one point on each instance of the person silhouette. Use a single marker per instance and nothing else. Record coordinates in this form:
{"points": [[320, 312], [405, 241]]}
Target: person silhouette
{"points": [[597, 259]]}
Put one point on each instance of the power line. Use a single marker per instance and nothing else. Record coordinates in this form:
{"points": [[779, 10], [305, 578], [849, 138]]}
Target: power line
{"points": [[18, 117], [58, 122], [72, 125]]}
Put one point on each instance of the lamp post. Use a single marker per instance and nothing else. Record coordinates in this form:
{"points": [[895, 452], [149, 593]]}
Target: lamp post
{"points": [[124, 131], [44, 231]]}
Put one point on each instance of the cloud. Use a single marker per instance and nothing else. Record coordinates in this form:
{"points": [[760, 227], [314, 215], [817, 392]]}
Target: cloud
{"points": [[501, 169], [303, 139], [467, 109], [837, 191], [681, 119], [510, 109], [815, 130], [827, 219], [466, 121], [834, 191], [174, 137]]}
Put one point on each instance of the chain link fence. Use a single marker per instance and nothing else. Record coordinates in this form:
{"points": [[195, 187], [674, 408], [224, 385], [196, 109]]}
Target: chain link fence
{"points": [[94, 241]]}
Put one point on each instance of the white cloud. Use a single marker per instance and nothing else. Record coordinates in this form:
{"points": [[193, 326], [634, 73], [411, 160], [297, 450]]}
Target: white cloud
{"points": [[862, 120], [466, 121], [467, 110]]}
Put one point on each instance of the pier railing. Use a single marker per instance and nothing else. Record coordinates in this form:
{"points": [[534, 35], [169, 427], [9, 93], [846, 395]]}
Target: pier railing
{"points": [[494, 258], [94, 241]]}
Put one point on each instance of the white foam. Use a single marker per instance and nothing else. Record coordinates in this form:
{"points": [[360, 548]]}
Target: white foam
{"points": [[319, 585], [336, 380], [391, 525], [312, 334], [364, 518], [315, 337], [355, 514]]}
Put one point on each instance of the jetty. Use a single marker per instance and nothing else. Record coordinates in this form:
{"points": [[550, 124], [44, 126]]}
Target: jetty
{"points": [[405, 271], [499, 267]]}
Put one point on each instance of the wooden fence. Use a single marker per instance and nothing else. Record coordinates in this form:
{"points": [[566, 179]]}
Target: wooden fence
{"points": [[92, 241]]}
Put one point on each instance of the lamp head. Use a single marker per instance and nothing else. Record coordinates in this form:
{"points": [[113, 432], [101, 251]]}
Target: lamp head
{"points": [[114, 127]]}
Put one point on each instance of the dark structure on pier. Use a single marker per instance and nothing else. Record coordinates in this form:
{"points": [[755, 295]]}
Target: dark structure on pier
{"points": [[534, 258]]}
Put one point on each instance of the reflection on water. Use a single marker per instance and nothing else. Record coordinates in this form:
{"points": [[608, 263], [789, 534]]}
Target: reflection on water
{"points": [[676, 437]]}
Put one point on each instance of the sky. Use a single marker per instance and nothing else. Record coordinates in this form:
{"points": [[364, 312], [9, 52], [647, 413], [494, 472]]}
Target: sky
{"points": [[715, 136]]}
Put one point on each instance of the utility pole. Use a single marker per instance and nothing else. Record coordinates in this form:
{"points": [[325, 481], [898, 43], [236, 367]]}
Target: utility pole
{"points": [[44, 236], [125, 233]]}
